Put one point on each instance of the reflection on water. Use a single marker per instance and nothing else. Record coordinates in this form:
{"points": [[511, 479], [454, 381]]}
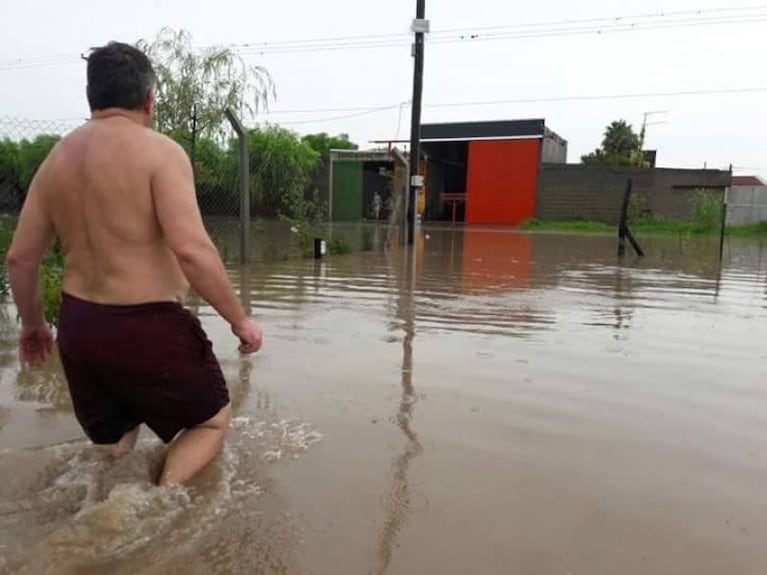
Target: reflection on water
{"points": [[398, 501], [584, 415]]}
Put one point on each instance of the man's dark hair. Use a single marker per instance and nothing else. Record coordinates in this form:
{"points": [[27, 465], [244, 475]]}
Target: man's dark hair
{"points": [[119, 76]]}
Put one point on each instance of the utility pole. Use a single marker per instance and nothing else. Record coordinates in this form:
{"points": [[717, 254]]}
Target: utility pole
{"points": [[420, 28]]}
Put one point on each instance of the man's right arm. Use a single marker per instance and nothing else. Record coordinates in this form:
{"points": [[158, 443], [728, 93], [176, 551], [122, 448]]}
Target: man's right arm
{"points": [[175, 203]]}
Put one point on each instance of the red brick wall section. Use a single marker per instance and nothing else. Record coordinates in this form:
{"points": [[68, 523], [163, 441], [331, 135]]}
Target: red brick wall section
{"points": [[502, 181]]}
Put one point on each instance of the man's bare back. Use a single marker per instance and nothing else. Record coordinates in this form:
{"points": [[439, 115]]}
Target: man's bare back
{"points": [[97, 187]]}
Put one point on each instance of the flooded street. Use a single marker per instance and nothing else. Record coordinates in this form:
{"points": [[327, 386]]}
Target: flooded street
{"points": [[501, 403]]}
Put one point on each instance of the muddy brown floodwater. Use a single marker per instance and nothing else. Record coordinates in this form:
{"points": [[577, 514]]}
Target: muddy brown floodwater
{"points": [[504, 403]]}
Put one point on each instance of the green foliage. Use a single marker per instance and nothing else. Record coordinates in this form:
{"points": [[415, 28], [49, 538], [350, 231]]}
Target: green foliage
{"points": [[302, 239], [6, 237], [31, 155], [708, 211], [19, 162], [50, 274], [620, 146], [9, 166], [368, 239], [322, 143], [759, 229], [281, 166], [222, 247], [707, 220], [216, 177], [50, 286], [337, 245], [571, 226], [638, 207], [195, 87], [271, 253]]}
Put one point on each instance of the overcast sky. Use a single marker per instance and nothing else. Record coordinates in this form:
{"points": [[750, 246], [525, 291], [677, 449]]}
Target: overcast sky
{"points": [[713, 129]]}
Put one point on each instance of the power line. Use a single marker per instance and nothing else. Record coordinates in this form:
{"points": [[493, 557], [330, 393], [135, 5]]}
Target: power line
{"points": [[462, 33], [571, 27], [526, 31], [477, 38], [346, 116], [601, 97], [359, 111], [535, 100]]}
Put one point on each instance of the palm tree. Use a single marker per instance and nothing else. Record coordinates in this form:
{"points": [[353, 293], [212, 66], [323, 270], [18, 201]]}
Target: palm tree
{"points": [[620, 147], [620, 140]]}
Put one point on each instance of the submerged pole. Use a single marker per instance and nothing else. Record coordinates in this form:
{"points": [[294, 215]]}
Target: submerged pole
{"points": [[724, 227], [624, 232]]}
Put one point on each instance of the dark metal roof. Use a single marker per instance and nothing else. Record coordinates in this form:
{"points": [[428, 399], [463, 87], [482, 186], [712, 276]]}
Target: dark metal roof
{"points": [[483, 130]]}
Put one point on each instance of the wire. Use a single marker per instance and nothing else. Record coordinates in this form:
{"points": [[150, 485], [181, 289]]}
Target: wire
{"points": [[652, 15], [620, 24], [601, 97], [404, 104], [648, 21], [344, 117], [354, 112]]}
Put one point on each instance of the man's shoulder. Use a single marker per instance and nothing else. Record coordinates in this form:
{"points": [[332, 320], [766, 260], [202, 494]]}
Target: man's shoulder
{"points": [[163, 142]]}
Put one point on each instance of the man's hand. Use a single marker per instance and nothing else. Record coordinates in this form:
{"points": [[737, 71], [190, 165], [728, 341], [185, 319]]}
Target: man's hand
{"points": [[35, 344], [250, 334]]}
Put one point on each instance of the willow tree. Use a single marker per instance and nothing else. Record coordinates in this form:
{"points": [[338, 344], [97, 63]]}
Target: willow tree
{"points": [[195, 87]]}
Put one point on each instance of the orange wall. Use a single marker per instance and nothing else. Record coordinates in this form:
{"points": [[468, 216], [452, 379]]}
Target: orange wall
{"points": [[502, 181]]}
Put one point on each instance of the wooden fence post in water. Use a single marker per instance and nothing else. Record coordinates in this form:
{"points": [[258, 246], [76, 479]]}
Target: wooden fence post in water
{"points": [[623, 227], [244, 166]]}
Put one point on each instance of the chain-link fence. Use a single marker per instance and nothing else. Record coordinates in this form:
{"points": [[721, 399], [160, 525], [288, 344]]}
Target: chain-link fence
{"points": [[273, 193], [24, 144]]}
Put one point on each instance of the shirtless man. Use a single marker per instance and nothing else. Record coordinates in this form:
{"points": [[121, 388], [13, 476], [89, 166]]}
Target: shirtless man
{"points": [[121, 200]]}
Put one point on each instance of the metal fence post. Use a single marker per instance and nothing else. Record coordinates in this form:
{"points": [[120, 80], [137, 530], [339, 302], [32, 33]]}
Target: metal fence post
{"points": [[244, 169]]}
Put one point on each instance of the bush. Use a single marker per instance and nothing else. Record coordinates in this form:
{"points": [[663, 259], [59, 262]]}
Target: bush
{"points": [[51, 274], [708, 211], [338, 245]]}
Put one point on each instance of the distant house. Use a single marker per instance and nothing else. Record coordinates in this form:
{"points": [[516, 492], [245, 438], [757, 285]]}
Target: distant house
{"points": [[748, 182], [475, 173]]}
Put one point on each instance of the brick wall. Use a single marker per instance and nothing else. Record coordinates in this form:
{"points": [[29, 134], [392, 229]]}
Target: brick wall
{"points": [[577, 192]]}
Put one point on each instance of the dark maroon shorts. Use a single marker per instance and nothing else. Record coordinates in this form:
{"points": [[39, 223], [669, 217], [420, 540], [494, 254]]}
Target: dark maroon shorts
{"points": [[126, 365]]}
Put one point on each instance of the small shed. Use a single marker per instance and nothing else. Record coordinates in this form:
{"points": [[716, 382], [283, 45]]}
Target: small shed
{"points": [[486, 172], [475, 173], [356, 177]]}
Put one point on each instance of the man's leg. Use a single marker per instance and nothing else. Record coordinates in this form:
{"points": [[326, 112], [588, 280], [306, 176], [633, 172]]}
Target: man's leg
{"points": [[122, 447], [195, 448]]}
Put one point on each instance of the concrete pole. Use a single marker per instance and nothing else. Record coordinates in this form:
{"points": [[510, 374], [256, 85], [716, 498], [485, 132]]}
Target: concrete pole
{"points": [[244, 176]]}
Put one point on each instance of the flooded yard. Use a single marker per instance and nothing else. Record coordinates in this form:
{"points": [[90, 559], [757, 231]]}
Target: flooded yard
{"points": [[500, 403]]}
